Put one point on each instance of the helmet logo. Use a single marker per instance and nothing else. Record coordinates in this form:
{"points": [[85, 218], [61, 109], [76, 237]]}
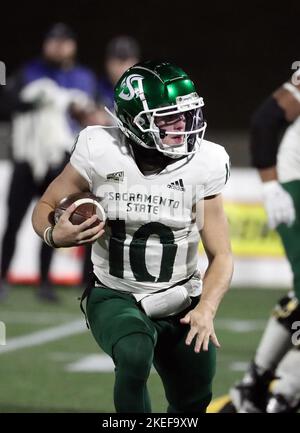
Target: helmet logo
{"points": [[128, 91]]}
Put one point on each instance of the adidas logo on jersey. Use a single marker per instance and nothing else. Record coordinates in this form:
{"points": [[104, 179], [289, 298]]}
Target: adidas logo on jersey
{"points": [[178, 184], [118, 176]]}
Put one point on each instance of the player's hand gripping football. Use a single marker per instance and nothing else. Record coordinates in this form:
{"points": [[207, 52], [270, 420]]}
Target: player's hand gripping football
{"points": [[66, 234], [201, 328]]}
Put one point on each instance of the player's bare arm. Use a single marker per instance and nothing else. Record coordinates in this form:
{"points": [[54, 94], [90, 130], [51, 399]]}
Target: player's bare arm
{"points": [[65, 234], [215, 238]]}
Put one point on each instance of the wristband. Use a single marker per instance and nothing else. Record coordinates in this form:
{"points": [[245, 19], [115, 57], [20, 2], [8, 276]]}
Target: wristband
{"points": [[48, 237]]}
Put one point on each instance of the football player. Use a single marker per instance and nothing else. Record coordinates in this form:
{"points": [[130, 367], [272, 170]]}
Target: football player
{"points": [[279, 169], [161, 186]]}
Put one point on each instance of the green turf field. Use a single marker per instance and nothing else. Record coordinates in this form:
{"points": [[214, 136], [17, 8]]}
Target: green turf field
{"points": [[52, 363]]}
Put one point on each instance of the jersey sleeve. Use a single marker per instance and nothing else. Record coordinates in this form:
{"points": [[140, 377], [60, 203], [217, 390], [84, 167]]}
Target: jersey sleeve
{"points": [[80, 158], [219, 174]]}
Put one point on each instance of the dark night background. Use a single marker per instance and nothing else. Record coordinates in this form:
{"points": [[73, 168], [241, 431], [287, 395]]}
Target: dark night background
{"points": [[236, 52]]}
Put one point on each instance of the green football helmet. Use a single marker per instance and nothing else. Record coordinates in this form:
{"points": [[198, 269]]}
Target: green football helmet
{"points": [[157, 107]]}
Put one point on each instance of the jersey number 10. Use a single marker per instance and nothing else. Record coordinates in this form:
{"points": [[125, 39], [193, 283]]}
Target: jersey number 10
{"points": [[137, 251]]}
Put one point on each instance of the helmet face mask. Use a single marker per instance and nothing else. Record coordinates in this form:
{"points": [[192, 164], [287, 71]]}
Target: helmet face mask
{"points": [[158, 108], [176, 130]]}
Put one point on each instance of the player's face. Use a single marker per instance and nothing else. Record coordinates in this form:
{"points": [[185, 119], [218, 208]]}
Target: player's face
{"points": [[59, 50], [172, 123]]}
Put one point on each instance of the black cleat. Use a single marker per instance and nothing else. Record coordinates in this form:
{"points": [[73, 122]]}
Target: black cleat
{"points": [[250, 395]]}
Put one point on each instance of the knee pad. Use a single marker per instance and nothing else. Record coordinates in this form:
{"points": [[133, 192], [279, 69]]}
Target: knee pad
{"points": [[133, 355], [287, 311]]}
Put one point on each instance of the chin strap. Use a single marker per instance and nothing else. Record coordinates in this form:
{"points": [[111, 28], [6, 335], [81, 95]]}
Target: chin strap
{"points": [[126, 131], [118, 122]]}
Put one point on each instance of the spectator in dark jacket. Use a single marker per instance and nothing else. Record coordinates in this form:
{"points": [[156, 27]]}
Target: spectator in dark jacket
{"points": [[46, 101]]}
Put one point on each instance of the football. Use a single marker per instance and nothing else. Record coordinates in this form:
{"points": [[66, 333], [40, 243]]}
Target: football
{"points": [[87, 205]]}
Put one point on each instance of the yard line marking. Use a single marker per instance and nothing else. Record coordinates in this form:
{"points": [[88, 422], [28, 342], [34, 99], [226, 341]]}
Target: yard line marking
{"points": [[239, 325], [94, 363], [239, 365], [44, 336]]}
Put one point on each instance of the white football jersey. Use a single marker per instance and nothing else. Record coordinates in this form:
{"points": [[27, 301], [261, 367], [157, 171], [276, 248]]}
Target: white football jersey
{"points": [[288, 157], [152, 234]]}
